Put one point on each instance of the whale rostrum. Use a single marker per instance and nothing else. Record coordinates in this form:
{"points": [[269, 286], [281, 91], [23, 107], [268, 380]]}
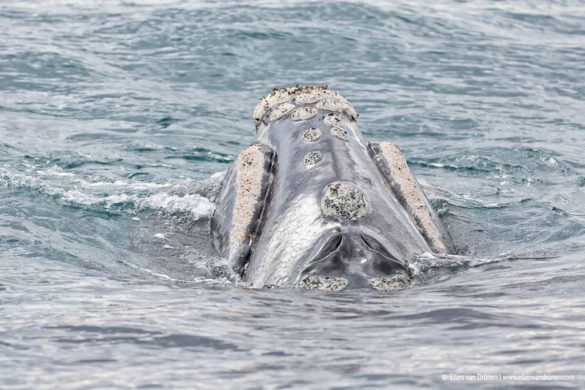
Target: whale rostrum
{"points": [[311, 204]]}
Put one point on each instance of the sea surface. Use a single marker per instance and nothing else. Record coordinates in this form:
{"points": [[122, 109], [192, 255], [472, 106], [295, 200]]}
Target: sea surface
{"points": [[118, 119]]}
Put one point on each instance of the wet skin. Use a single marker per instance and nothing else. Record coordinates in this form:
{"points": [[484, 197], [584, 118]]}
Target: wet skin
{"points": [[328, 218]]}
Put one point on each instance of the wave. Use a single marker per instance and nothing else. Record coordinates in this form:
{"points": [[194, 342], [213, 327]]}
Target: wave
{"points": [[178, 196]]}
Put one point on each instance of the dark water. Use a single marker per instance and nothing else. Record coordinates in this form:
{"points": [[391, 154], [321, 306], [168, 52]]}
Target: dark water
{"points": [[113, 117]]}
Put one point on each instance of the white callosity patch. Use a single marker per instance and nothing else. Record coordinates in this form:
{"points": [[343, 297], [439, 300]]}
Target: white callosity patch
{"points": [[312, 281], [281, 111], [311, 135], [250, 166], [260, 110], [312, 158], [310, 97], [337, 105], [332, 120], [387, 283], [344, 201], [414, 199], [275, 97], [340, 132], [323, 98], [303, 113], [336, 125]]}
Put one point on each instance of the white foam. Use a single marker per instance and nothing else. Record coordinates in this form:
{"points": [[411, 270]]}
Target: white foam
{"points": [[426, 262], [76, 196], [125, 192], [197, 205]]}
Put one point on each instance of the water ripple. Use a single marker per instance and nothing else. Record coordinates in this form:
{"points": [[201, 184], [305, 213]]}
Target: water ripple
{"points": [[118, 120]]}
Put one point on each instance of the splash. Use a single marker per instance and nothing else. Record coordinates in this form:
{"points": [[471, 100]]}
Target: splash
{"points": [[180, 196]]}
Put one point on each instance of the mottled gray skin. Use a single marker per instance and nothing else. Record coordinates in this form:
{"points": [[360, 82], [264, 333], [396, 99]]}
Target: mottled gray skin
{"points": [[298, 240]]}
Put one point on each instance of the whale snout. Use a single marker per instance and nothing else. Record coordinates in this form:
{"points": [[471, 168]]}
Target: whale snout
{"points": [[354, 260]]}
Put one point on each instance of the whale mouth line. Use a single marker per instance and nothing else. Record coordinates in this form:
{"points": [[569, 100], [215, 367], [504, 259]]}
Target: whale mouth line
{"points": [[331, 246], [353, 260], [335, 241], [379, 249]]}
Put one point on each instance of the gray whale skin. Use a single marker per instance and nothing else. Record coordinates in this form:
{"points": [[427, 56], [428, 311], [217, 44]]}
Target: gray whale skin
{"points": [[312, 205]]}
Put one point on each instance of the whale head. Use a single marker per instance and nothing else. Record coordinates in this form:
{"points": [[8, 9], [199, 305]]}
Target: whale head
{"points": [[311, 204]]}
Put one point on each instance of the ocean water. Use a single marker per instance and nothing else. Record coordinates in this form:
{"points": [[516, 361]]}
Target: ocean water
{"points": [[117, 119]]}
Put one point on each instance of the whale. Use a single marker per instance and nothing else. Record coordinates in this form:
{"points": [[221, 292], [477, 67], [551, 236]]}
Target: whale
{"points": [[311, 204]]}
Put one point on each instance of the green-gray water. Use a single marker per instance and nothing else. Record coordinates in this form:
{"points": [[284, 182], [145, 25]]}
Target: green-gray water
{"points": [[118, 117]]}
